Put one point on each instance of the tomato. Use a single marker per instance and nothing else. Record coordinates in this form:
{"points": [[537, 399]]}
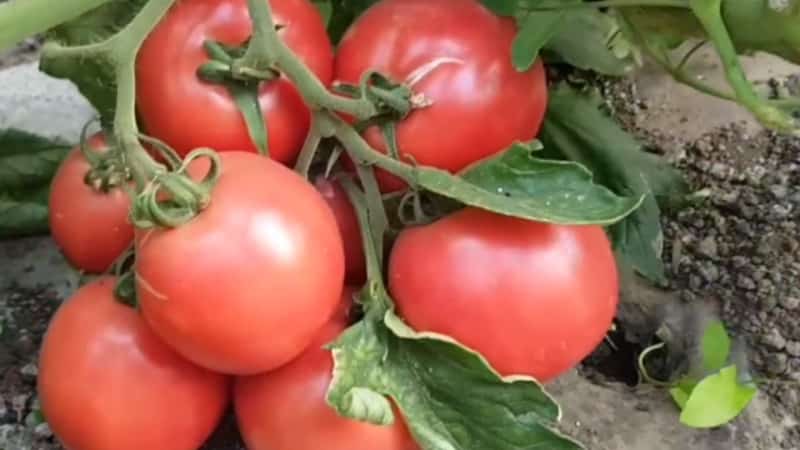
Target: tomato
{"points": [[286, 409], [244, 287], [90, 226], [347, 221], [533, 298], [107, 382], [187, 112], [458, 55]]}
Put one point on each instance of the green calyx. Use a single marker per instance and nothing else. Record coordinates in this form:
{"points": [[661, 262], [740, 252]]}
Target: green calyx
{"points": [[173, 198], [222, 67]]}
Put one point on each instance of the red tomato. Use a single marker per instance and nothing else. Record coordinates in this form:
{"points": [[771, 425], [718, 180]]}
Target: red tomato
{"points": [[187, 112], [347, 221], [533, 298], [107, 382], [458, 54], [286, 409], [91, 227], [245, 286]]}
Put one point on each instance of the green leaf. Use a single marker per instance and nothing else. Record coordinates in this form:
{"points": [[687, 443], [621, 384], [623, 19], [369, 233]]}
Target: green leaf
{"points": [[502, 7], [716, 346], [19, 217], [92, 75], [680, 396], [449, 396], [591, 40], [28, 161], [717, 400], [515, 183], [535, 31], [577, 129]]}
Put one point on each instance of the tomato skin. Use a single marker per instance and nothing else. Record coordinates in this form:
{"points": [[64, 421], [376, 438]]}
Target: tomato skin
{"points": [[91, 227], [107, 382], [286, 409], [187, 112], [244, 287], [481, 104], [533, 298], [346, 219]]}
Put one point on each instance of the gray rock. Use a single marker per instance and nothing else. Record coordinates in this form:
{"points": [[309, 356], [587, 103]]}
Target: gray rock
{"points": [[746, 283], [708, 248], [793, 348], [29, 371], [774, 340], [776, 363], [790, 303], [43, 431], [30, 99]]}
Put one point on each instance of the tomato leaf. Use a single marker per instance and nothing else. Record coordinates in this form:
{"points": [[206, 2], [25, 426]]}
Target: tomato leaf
{"points": [[28, 161], [680, 396], [516, 183], [24, 215], [502, 7], [716, 346], [449, 396], [535, 31], [94, 75], [577, 129], [591, 40], [717, 400]]}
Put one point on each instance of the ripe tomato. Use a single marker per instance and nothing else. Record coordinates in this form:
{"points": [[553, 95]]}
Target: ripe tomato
{"points": [[533, 298], [107, 382], [286, 409], [91, 227], [245, 286], [347, 221], [187, 112], [458, 54]]}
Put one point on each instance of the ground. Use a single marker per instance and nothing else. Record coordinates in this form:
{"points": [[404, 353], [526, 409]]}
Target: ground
{"points": [[734, 254]]}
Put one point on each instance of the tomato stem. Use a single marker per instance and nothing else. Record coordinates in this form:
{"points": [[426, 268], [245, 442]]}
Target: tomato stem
{"points": [[20, 19], [267, 50]]}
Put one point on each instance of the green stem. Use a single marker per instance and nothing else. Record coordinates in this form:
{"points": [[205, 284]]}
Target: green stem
{"points": [[309, 150], [370, 241], [20, 19], [267, 49], [124, 46]]}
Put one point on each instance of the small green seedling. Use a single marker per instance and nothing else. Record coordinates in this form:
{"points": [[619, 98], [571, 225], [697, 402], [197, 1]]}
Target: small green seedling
{"points": [[718, 397]]}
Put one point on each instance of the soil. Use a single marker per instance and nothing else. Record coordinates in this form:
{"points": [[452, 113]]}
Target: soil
{"points": [[734, 253]]}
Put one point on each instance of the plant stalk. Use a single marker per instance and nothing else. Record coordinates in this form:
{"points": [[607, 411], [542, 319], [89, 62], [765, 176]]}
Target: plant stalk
{"points": [[20, 19]]}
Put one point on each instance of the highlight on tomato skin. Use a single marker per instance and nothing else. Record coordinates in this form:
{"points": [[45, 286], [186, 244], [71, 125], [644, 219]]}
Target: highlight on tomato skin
{"points": [[107, 382], [286, 409], [187, 112], [91, 227], [533, 298], [457, 54], [244, 287]]}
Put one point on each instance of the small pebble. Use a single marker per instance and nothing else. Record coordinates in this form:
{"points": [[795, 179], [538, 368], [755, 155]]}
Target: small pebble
{"points": [[774, 340]]}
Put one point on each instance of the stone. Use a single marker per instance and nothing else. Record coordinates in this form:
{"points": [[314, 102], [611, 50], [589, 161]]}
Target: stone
{"points": [[774, 340], [790, 303], [708, 248], [776, 363]]}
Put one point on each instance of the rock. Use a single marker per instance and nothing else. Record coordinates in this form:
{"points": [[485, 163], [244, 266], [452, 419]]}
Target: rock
{"points": [[774, 340], [790, 303], [708, 248], [780, 191], [43, 431], [29, 371], [746, 283], [30, 99], [776, 363], [793, 348]]}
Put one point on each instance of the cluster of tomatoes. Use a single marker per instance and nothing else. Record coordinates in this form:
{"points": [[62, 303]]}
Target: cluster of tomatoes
{"points": [[238, 303]]}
